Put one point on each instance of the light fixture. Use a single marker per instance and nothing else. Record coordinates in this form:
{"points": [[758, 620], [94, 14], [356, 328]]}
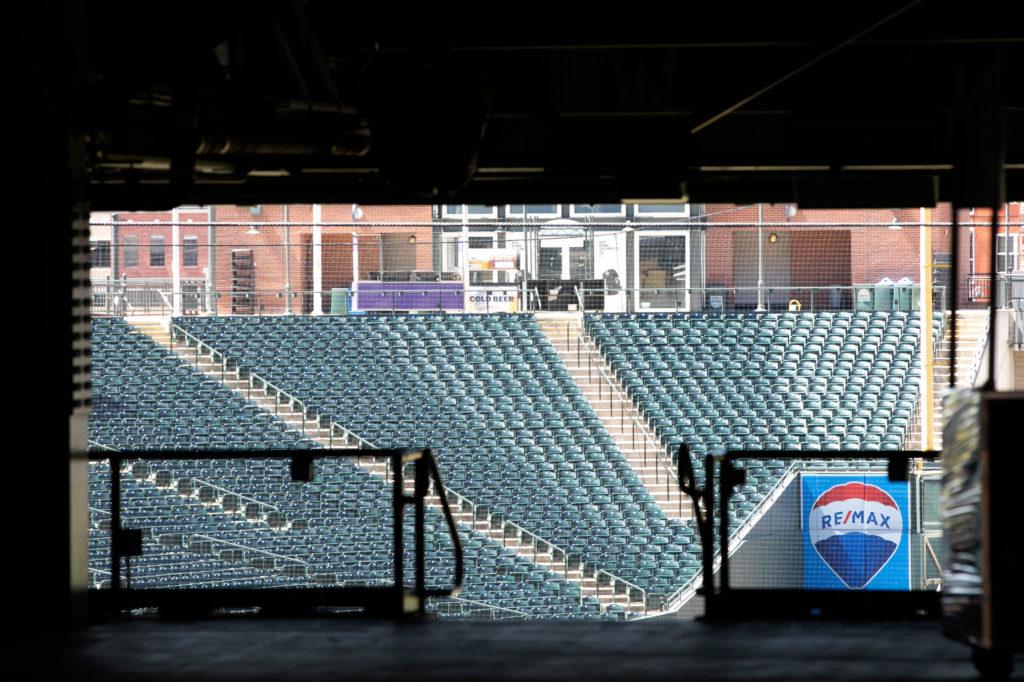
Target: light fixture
{"points": [[790, 211], [772, 238], [412, 239], [895, 224], [255, 210], [357, 212], [252, 229]]}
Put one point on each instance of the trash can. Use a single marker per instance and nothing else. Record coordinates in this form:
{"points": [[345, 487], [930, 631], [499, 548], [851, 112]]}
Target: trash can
{"points": [[883, 294], [341, 301], [903, 294], [865, 295]]}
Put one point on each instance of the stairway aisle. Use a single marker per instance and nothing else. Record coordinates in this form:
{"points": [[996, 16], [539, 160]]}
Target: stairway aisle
{"points": [[616, 410], [970, 344]]}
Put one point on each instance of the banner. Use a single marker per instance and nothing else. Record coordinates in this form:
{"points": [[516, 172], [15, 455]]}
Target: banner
{"points": [[480, 300], [493, 259], [855, 530], [610, 265]]}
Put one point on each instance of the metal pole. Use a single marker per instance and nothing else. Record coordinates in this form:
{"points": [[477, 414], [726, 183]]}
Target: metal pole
{"points": [[211, 263], [525, 305], [175, 263], [398, 502], [318, 267], [760, 259], [927, 356], [287, 264]]}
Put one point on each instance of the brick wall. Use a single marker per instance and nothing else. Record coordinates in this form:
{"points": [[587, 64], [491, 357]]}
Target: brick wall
{"points": [[144, 233], [267, 248]]}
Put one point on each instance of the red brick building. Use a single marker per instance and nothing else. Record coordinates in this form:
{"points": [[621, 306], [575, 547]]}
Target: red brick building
{"points": [[808, 248]]}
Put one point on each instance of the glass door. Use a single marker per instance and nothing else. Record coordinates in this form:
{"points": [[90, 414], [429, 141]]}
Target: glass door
{"points": [[660, 261]]}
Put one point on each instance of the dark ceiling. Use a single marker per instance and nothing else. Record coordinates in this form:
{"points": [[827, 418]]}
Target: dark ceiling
{"points": [[840, 104]]}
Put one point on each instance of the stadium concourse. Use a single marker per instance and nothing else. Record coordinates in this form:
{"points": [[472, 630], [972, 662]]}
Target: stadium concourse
{"points": [[562, 482]]}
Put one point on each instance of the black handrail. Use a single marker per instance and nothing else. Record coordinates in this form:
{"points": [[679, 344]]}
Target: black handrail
{"points": [[302, 466]]}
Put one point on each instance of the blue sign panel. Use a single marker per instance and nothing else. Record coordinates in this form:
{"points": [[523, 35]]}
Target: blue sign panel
{"points": [[855, 532]]}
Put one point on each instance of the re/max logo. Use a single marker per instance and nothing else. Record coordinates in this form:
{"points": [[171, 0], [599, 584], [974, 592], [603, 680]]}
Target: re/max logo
{"points": [[857, 517]]}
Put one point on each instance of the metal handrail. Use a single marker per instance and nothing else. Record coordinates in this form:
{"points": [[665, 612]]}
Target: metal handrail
{"points": [[249, 549], [425, 472], [935, 560], [227, 491], [979, 354], [489, 607], [505, 525], [670, 473], [101, 446], [760, 509]]}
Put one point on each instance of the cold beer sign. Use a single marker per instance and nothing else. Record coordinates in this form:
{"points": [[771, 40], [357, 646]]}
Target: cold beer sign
{"points": [[855, 533]]}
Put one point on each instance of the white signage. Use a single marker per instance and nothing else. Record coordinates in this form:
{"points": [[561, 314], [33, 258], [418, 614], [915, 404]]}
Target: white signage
{"points": [[483, 300], [493, 259], [610, 265]]}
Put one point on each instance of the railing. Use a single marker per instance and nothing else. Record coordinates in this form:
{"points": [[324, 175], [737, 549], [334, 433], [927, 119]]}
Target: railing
{"points": [[979, 286], [658, 452], [227, 491], [675, 601], [981, 349], [254, 380], [396, 597], [570, 562], [120, 300], [745, 299], [1017, 328], [730, 602], [915, 414], [1009, 288], [468, 607], [195, 491], [146, 296]]}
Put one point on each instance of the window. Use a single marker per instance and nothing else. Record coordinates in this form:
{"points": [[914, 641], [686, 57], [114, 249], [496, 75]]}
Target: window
{"points": [[471, 211], [190, 252], [533, 210], [481, 242], [156, 251], [602, 210], [131, 251], [99, 254], [662, 210], [1006, 253], [450, 253]]}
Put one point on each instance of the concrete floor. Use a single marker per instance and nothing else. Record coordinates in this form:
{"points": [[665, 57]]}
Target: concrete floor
{"points": [[354, 649]]}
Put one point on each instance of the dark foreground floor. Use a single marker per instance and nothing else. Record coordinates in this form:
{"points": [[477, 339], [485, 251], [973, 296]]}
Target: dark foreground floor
{"points": [[283, 650]]}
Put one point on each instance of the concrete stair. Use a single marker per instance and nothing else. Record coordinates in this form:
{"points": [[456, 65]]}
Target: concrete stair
{"points": [[970, 343], [631, 433], [607, 590]]}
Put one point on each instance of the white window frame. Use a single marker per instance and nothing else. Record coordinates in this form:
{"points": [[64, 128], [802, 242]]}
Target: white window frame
{"points": [[1010, 251], [529, 214], [464, 213], [576, 214], [185, 244], [641, 234], [638, 212]]}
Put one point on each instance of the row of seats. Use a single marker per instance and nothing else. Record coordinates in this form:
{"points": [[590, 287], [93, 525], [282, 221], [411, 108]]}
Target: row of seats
{"points": [[511, 429], [338, 527], [783, 381]]}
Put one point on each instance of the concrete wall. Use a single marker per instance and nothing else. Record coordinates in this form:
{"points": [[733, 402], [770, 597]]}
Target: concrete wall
{"points": [[772, 554]]}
